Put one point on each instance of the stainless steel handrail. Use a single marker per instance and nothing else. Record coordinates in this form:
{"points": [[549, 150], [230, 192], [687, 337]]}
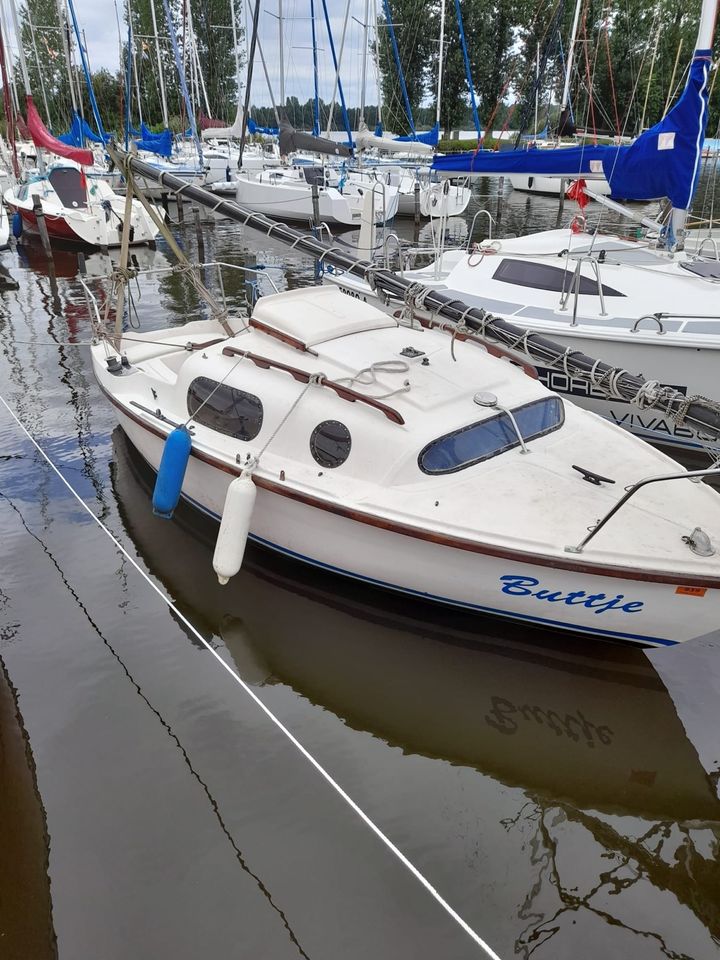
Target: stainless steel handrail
{"points": [[631, 491], [491, 224]]}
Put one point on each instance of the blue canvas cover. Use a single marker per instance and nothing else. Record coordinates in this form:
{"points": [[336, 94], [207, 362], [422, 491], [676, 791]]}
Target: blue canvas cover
{"points": [[564, 161], [161, 143], [73, 138], [147, 134], [665, 160], [430, 137], [80, 129], [268, 131]]}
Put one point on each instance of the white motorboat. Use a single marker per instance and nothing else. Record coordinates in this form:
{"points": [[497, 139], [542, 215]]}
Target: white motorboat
{"points": [[285, 193], [434, 197], [633, 305], [76, 209], [372, 452]]}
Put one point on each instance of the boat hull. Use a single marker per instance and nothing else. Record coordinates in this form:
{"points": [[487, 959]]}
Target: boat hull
{"points": [[569, 596], [550, 186]]}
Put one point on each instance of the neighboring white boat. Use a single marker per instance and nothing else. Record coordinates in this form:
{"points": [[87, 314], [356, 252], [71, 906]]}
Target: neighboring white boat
{"points": [[622, 300], [286, 194], [4, 228], [434, 197], [551, 186], [76, 209], [375, 453]]}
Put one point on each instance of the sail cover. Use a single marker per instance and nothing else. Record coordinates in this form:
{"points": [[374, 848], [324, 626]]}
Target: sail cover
{"points": [[365, 140], [80, 129], [225, 133], [430, 137], [664, 161], [159, 143], [254, 128], [292, 140], [42, 138]]}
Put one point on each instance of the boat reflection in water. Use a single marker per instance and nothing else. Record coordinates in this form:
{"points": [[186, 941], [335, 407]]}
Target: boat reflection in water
{"points": [[588, 731], [26, 923]]}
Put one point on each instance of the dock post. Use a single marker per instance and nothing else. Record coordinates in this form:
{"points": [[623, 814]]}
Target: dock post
{"points": [[42, 226], [180, 211], [316, 206], [563, 184], [416, 191], [199, 233]]}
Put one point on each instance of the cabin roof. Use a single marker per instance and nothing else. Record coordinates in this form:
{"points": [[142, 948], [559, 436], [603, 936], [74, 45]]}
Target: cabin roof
{"points": [[324, 313]]}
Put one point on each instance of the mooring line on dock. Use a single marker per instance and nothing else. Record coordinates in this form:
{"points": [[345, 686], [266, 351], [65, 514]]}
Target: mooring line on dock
{"points": [[406, 862]]}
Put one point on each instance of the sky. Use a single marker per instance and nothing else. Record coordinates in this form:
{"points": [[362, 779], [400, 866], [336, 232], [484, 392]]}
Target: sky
{"points": [[98, 19]]}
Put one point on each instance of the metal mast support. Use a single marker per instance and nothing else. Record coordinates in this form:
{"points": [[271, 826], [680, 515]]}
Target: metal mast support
{"points": [[441, 56]]}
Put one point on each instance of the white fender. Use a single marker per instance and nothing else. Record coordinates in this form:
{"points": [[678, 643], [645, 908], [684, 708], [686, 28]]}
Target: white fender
{"points": [[234, 527]]}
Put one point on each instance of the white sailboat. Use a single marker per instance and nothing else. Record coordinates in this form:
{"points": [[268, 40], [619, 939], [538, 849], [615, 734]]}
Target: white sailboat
{"points": [[347, 440]]}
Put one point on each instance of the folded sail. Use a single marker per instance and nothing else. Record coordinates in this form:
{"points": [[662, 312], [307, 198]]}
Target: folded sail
{"points": [[365, 140], [221, 132], [583, 161], [430, 137], [292, 140], [42, 138], [79, 131], [665, 160], [268, 131]]}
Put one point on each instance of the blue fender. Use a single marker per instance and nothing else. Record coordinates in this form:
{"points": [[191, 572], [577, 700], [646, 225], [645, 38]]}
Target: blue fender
{"points": [[171, 473]]}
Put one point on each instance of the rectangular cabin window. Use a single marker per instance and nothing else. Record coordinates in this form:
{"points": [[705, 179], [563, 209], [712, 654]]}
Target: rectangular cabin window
{"points": [[488, 438], [225, 409], [543, 276]]}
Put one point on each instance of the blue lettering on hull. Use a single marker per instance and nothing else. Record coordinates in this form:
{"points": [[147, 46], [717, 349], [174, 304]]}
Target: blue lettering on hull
{"points": [[597, 602]]}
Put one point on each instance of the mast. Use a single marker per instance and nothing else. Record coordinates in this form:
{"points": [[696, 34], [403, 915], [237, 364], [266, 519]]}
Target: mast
{"points": [[650, 76], [441, 56], [161, 79], [537, 87], [282, 56], [236, 51], [316, 95], [337, 74], [62, 17], [401, 75], [571, 53], [86, 70], [39, 70], [248, 81], [338, 64], [365, 52], [376, 57], [468, 72], [9, 60]]}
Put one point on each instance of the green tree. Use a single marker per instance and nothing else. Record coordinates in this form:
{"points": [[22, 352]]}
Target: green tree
{"points": [[415, 47]]}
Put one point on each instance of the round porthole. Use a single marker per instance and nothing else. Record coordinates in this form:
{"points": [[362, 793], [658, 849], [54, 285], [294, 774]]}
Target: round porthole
{"points": [[330, 443]]}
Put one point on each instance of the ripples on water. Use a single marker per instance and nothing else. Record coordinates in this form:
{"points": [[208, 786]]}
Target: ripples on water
{"points": [[561, 794]]}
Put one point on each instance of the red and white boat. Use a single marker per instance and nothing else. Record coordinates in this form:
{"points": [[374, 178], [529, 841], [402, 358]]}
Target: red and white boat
{"points": [[77, 209]]}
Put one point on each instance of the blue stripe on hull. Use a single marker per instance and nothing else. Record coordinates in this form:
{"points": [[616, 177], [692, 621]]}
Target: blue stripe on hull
{"points": [[477, 608]]}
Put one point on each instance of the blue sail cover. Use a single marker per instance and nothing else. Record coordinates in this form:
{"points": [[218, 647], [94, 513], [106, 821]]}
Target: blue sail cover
{"points": [[663, 162], [430, 137], [268, 131], [378, 129], [79, 131], [160, 143], [147, 134]]}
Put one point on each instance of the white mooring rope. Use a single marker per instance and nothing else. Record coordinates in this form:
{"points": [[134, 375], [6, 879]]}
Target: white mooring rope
{"points": [[265, 709]]}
